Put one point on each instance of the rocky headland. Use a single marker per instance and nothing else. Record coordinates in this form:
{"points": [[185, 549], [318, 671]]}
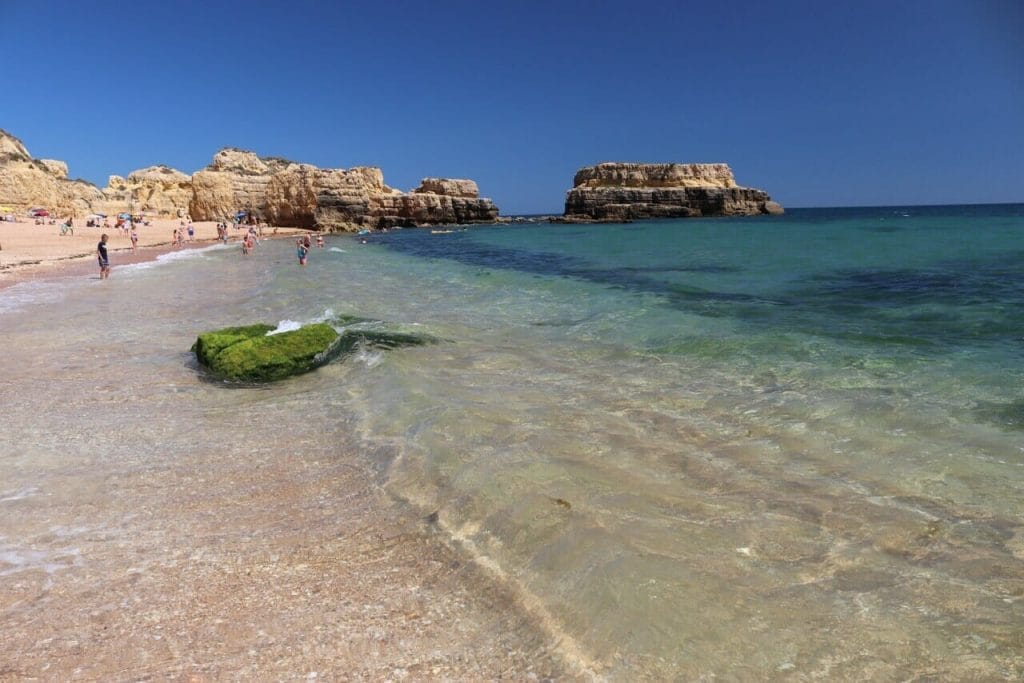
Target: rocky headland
{"points": [[303, 195], [26, 182], [627, 191], [280, 191]]}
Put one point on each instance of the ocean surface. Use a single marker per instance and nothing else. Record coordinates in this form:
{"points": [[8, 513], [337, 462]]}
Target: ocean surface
{"points": [[775, 447]]}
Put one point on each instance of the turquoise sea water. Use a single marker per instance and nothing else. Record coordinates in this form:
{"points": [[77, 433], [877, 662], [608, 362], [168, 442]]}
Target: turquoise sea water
{"points": [[772, 447]]}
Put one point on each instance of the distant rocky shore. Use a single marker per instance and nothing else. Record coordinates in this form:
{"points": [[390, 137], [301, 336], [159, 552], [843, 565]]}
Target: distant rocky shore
{"points": [[276, 190], [292, 194]]}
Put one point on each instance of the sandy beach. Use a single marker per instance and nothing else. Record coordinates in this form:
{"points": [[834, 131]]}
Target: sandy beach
{"points": [[30, 251]]}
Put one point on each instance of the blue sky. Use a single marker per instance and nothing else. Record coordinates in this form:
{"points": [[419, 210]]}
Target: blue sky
{"points": [[819, 103]]}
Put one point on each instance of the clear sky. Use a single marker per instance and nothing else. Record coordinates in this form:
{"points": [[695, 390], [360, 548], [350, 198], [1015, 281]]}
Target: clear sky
{"points": [[819, 102]]}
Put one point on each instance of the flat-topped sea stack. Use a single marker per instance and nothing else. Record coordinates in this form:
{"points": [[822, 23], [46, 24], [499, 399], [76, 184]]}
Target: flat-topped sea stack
{"points": [[626, 191]]}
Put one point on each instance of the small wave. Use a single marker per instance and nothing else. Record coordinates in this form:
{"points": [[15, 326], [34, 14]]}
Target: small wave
{"points": [[339, 250], [28, 293], [14, 560], [327, 316], [19, 495], [339, 322], [369, 358], [173, 256]]}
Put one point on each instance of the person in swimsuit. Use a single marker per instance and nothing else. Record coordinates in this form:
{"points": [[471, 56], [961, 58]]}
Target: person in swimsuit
{"points": [[101, 255], [135, 239], [302, 251]]}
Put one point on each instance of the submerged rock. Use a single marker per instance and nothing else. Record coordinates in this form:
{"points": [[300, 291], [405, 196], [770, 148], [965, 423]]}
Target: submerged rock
{"points": [[250, 354]]}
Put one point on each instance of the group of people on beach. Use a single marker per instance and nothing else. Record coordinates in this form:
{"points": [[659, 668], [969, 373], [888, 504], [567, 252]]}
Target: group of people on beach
{"points": [[251, 238], [178, 237]]}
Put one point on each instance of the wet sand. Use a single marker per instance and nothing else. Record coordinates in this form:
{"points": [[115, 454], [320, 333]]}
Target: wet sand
{"points": [[283, 569], [229, 562]]}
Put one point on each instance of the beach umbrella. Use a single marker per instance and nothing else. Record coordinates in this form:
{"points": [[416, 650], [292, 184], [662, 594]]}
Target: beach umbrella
{"points": [[124, 216], [40, 213], [6, 209]]}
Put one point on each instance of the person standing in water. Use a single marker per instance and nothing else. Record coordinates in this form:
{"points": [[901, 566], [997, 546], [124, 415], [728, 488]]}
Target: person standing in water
{"points": [[101, 255]]}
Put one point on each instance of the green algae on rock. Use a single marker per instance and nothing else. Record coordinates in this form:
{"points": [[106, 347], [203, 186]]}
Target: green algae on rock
{"points": [[249, 354], [210, 344]]}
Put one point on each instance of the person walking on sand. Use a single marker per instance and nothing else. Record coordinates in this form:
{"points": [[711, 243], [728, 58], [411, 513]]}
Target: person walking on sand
{"points": [[191, 232], [101, 255], [135, 239]]}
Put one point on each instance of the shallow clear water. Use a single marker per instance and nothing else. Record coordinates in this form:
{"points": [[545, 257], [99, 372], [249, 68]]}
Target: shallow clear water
{"points": [[786, 446]]}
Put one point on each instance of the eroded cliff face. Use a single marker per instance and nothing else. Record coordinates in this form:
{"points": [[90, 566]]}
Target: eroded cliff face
{"points": [[280, 191], [627, 191], [235, 180], [303, 195], [26, 182], [158, 190]]}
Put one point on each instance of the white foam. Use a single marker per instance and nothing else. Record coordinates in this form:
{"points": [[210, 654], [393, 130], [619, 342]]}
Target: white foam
{"points": [[370, 359], [173, 256], [326, 316], [290, 325], [19, 495], [32, 292], [15, 560], [285, 326]]}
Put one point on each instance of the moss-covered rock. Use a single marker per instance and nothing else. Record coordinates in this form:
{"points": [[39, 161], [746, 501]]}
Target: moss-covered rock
{"points": [[263, 358], [210, 344], [248, 354]]}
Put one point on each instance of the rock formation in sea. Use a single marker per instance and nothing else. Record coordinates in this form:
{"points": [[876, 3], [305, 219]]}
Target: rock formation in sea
{"points": [[626, 191], [251, 354]]}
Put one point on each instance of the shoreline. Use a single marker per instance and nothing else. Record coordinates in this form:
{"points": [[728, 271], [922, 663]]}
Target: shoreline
{"points": [[38, 252], [208, 560]]}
